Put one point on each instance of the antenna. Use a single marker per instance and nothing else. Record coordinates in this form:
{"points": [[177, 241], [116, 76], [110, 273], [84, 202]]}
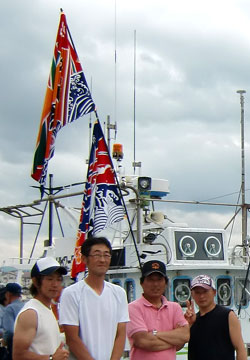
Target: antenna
{"points": [[115, 105], [244, 208], [110, 127], [134, 163], [244, 238]]}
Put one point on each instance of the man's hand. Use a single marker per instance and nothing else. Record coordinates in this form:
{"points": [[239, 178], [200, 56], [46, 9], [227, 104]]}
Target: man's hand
{"points": [[190, 315], [61, 353], [3, 342]]}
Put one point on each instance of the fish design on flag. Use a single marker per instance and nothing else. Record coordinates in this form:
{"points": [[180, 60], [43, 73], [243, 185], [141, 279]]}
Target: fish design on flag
{"points": [[102, 204], [67, 98]]}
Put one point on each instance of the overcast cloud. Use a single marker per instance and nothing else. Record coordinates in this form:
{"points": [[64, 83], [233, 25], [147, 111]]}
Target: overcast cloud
{"points": [[191, 58]]}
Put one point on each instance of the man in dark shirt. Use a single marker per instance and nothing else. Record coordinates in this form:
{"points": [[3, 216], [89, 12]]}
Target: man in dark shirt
{"points": [[13, 297], [215, 331]]}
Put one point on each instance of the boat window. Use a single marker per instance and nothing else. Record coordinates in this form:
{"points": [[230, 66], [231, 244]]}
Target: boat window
{"points": [[167, 291], [198, 245], [130, 289], [224, 291], [118, 258], [117, 282], [181, 290], [242, 297]]}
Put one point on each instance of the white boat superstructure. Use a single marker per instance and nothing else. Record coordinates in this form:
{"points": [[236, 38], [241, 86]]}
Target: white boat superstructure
{"points": [[149, 235]]}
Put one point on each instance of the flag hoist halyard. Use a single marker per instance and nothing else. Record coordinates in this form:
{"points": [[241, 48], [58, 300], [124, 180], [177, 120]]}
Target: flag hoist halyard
{"points": [[67, 98], [102, 203]]}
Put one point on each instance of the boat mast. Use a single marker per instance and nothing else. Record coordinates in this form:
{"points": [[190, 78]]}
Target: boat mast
{"points": [[50, 210], [243, 191]]}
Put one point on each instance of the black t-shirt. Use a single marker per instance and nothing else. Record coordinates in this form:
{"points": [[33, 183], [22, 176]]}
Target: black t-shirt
{"points": [[209, 336]]}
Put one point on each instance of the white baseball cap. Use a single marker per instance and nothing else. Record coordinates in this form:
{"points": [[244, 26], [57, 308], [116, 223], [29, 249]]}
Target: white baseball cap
{"points": [[46, 266]]}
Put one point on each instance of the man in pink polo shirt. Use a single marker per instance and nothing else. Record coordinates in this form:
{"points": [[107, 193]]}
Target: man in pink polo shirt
{"points": [[157, 327]]}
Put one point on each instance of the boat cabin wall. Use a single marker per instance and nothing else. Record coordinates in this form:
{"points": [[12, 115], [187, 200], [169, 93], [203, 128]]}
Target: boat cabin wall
{"points": [[228, 282]]}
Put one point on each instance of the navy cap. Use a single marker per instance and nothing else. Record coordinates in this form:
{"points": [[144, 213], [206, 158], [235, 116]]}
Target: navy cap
{"points": [[2, 290], [154, 266], [46, 266], [13, 288]]}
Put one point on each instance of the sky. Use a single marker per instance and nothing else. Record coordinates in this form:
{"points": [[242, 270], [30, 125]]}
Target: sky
{"points": [[190, 59]]}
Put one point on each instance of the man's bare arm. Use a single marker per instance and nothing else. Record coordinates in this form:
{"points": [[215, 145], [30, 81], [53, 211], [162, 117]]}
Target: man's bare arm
{"points": [[149, 342], [24, 334], [75, 344], [119, 343], [236, 337], [176, 337]]}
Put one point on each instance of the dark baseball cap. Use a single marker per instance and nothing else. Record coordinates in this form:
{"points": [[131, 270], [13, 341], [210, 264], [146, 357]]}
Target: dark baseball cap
{"points": [[46, 266], [154, 266], [13, 288]]}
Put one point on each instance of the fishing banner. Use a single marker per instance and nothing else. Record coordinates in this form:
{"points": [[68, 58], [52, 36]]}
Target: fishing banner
{"points": [[102, 204], [67, 98]]}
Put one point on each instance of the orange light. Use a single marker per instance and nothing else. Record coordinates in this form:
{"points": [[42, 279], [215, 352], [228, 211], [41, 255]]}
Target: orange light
{"points": [[117, 152]]}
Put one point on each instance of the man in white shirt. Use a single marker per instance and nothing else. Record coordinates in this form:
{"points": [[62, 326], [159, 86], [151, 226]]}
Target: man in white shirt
{"points": [[94, 312]]}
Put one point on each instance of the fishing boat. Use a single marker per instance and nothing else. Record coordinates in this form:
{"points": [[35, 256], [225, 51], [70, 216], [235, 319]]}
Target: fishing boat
{"points": [[146, 233]]}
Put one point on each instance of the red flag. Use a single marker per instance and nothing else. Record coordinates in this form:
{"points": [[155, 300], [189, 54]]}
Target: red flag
{"points": [[101, 204], [67, 98]]}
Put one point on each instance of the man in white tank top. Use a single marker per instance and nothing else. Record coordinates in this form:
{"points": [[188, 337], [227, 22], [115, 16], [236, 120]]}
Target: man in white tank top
{"points": [[37, 334]]}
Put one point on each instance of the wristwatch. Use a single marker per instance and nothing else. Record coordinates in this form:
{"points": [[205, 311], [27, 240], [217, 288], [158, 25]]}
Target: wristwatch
{"points": [[51, 357], [154, 332]]}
